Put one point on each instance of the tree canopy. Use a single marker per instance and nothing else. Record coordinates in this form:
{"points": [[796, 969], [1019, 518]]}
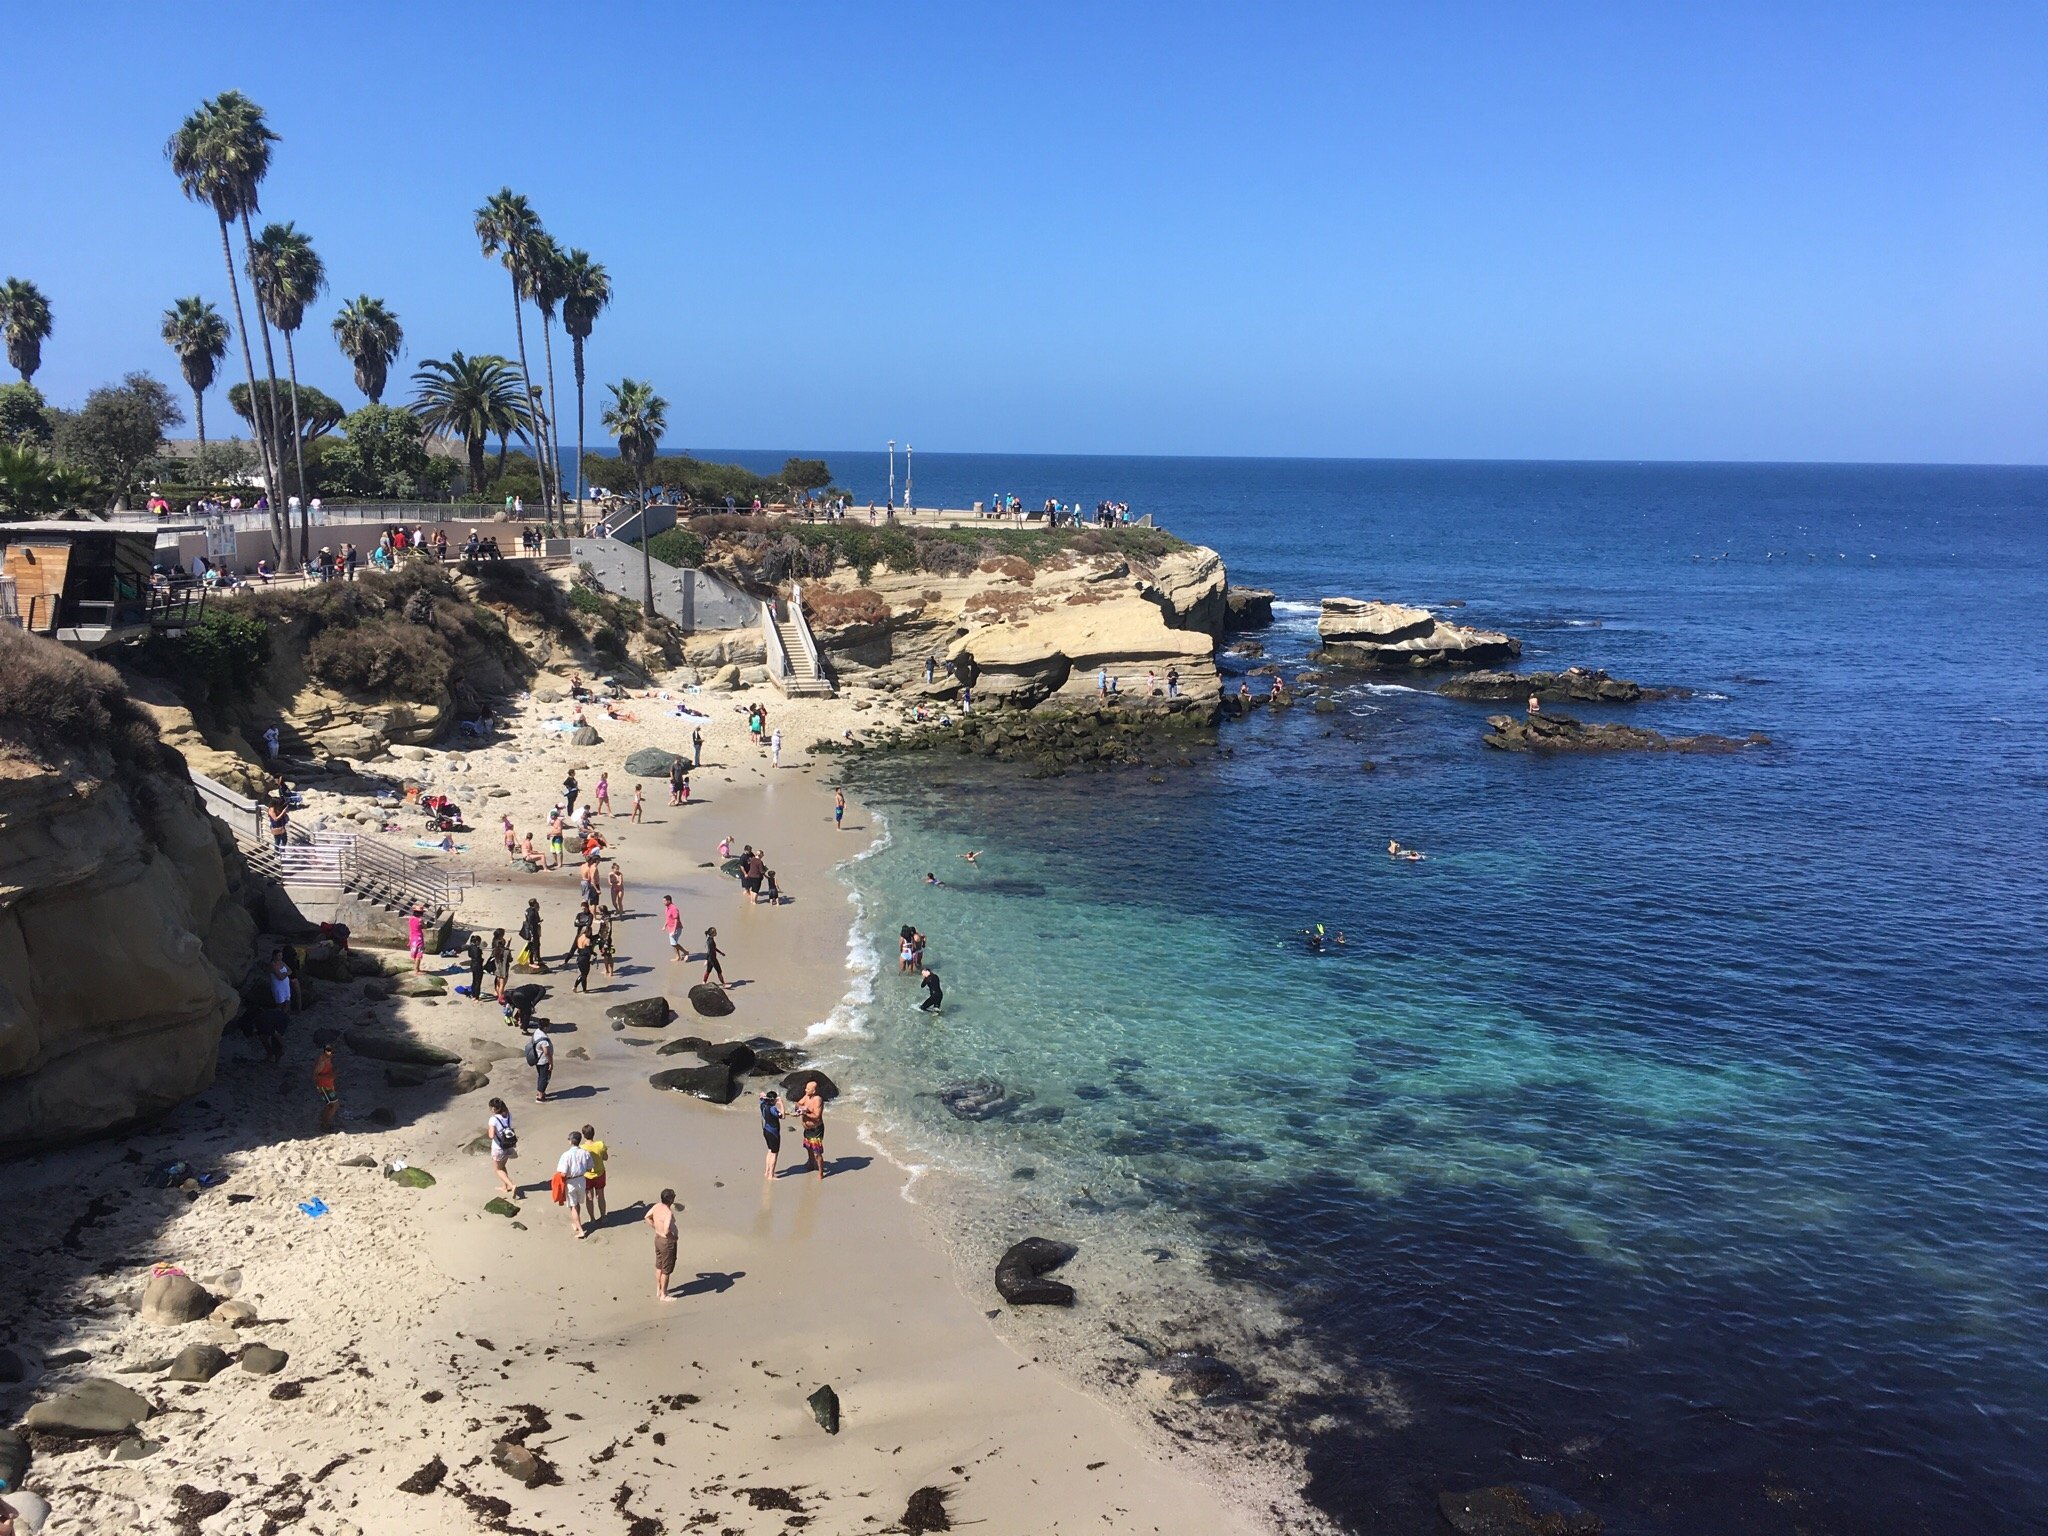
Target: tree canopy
{"points": [[319, 412], [382, 453], [806, 474], [25, 322], [118, 434], [25, 418], [32, 484]]}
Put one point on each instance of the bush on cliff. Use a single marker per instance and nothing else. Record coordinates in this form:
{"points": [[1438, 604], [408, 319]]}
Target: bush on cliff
{"points": [[225, 652], [55, 703], [382, 655]]}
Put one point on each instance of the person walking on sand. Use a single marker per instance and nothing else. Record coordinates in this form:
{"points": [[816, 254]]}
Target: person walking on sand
{"points": [[572, 1173], [324, 1085], [618, 885], [838, 810], [697, 747], [593, 1181], [501, 964], [712, 955], [676, 776], [672, 925], [570, 790], [504, 1143], [540, 1055], [771, 1129], [416, 936], [810, 1111], [604, 794], [662, 1217], [639, 802], [775, 747], [934, 994], [583, 952], [475, 953]]}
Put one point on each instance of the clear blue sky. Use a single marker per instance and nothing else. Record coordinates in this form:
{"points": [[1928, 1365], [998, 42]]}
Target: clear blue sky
{"points": [[1775, 231]]}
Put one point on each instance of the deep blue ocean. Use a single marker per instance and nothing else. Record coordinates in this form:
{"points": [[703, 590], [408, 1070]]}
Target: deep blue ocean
{"points": [[1676, 1134]]}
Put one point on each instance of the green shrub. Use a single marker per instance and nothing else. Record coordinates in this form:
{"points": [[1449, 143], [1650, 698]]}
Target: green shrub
{"points": [[678, 546], [586, 600], [226, 650]]}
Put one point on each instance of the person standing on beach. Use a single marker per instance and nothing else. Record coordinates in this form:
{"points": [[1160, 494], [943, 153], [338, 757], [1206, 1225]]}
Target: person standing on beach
{"points": [[672, 925], [593, 1181], [529, 930], [676, 774], [501, 963], [934, 994], [511, 841], [573, 1170], [555, 838], [504, 1142], [712, 955], [324, 1085], [662, 1217], [810, 1111], [570, 790], [775, 747], [697, 747], [771, 1128], [604, 794], [838, 810], [639, 802], [540, 1055], [583, 952], [618, 885], [475, 953]]}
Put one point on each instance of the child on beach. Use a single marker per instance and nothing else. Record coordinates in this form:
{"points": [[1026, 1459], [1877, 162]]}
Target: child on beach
{"points": [[324, 1085], [639, 802], [771, 1128], [604, 794], [618, 886], [712, 955]]}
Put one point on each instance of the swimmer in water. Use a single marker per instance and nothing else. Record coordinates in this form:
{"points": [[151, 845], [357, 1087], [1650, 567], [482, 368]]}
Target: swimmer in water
{"points": [[1338, 937], [1315, 938], [972, 858], [1396, 851], [932, 879]]}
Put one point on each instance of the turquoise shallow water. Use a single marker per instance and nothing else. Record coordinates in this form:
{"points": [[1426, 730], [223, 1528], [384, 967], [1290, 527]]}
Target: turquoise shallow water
{"points": [[1676, 1134]]}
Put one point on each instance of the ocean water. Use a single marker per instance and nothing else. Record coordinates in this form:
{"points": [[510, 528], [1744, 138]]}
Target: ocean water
{"points": [[1676, 1134]]}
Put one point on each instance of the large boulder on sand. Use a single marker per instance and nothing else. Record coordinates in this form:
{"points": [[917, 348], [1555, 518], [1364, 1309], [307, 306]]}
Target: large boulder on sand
{"points": [[1373, 634], [171, 1301], [1020, 1273], [585, 736], [651, 763], [793, 1085], [642, 1013], [395, 1048], [714, 1082], [94, 1406], [198, 1362]]}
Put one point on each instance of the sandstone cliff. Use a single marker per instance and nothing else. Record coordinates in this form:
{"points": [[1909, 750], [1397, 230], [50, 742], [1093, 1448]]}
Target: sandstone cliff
{"points": [[122, 926], [1028, 633], [1374, 634]]}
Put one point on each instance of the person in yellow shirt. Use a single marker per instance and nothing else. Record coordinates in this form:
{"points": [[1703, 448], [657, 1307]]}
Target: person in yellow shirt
{"points": [[593, 1181]]}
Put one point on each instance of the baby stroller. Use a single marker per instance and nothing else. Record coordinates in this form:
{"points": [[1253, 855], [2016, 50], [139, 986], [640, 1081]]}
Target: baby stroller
{"points": [[443, 814]]}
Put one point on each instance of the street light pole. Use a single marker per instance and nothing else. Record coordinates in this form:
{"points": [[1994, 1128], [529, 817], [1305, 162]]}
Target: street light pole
{"points": [[909, 502], [892, 474]]}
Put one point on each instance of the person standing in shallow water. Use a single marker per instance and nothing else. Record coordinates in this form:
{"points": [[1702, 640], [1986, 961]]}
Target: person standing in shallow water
{"points": [[662, 1217], [810, 1111], [934, 995]]}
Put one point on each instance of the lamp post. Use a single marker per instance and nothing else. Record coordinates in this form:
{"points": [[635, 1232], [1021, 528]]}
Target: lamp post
{"points": [[909, 503], [892, 474]]}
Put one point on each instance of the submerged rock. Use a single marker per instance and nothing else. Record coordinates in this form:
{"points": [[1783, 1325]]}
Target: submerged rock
{"points": [[984, 1098], [1580, 684], [1395, 635], [1191, 1374], [1020, 1273], [1516, 1509], [1542, 732]]}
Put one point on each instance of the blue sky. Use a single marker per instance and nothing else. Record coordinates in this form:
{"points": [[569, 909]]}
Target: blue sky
{"points": [[1547, 231]]}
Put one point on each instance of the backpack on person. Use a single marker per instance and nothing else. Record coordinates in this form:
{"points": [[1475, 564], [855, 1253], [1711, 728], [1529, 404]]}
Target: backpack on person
{"points": [[532, 1052]]}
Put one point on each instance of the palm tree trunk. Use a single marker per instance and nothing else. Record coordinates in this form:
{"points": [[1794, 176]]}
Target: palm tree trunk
{"points": [[577, 345], [525, 383], [291, 363], [547, 335], [270, 370], [475, 445], [502, 445], [227, 252], [199, 415]]}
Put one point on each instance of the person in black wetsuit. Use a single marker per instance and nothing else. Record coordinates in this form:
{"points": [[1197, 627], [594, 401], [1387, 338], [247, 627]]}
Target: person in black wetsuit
{"points": [[934, 994]]}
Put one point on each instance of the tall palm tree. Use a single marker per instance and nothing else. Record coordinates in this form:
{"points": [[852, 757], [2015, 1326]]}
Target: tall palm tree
{"points": [[370, 337], [288, 274], [586, 289], [506, 227], [25, 317], [473, 398], [219, 155], [195, 331], [637, 417], [544, 287]]}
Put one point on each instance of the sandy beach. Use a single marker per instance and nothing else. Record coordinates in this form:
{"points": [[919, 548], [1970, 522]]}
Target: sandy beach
{"points": [[420, 1328]]}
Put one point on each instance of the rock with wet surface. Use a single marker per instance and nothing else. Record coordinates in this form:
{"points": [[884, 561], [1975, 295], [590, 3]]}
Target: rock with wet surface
{"points": [[713, 1083], [1020, 1273], [1192, 1374], [1585, 685], [1516, 1509], [825, 1409], [642, 1013], [1547, 732]]}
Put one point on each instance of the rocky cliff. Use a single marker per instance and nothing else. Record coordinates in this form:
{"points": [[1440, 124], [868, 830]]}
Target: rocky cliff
{"points": [[1028, 633], [122, 925], [1384, 635]]}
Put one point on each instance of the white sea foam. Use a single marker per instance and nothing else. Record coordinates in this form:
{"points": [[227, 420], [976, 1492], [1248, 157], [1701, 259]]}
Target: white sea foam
{"points": [[1392, 688], [1284, 605], [848, 1020]]}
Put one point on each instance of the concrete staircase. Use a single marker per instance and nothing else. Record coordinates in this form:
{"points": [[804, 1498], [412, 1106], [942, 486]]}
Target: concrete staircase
{"points": [[803, 679]]}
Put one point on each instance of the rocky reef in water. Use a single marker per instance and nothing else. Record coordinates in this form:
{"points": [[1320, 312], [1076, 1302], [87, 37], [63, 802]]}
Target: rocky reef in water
{"points": [[1051, 741], [124, 923], [1396, 636], [1580, 685], [1542, 732]]}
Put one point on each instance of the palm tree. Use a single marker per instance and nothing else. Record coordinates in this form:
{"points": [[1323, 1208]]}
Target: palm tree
{"points": [[288, 274], [637, 417], [473, 398], [25, 317], [370, 337], [219, 155], [586, 289], [196, 332], [506, 227], [544, 287]]}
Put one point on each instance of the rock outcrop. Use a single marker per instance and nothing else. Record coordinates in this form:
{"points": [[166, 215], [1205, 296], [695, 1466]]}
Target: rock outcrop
{"points": [[122, 923], [1516, 1509], [1247, 607], [1580, 685], [1561, 733], [1020, 1273], [1356, 633]]}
